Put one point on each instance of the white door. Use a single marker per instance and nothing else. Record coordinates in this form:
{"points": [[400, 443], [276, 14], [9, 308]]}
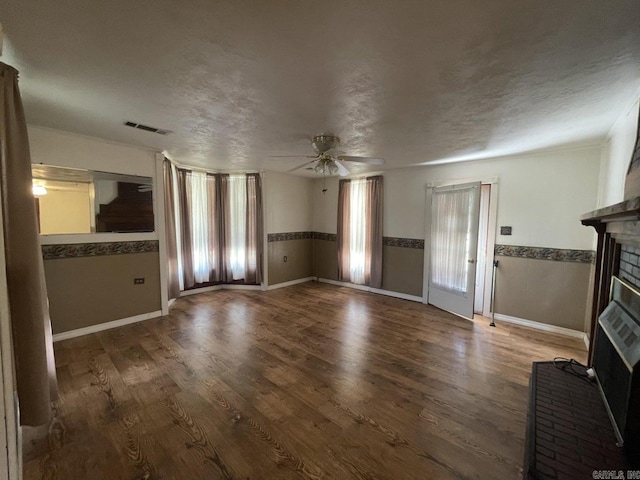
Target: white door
{"points": [[481, 256], [454, 240]]}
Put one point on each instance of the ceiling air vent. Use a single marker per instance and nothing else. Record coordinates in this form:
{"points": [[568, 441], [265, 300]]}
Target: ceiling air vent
{"points": [[147, 128]]}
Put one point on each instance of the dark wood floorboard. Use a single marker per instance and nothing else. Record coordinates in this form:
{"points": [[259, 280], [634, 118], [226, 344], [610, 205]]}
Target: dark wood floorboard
{"points": [[312, 381]]}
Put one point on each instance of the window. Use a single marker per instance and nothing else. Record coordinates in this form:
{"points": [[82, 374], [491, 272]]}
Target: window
{"points": [[360, 231], [238, 222], [357, 231], [199, 220], [218, 225]]}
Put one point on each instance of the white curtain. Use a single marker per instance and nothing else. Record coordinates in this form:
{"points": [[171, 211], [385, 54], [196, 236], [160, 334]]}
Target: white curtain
{"points": [[238, 216], [200, 227], [450, 234], [357, 231]]}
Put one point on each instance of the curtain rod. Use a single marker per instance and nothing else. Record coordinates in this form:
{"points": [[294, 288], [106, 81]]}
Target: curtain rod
{"points": [[204, 170]]}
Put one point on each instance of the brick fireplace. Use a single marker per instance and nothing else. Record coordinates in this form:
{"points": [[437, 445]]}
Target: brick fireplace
{"points": [[579, 428]]}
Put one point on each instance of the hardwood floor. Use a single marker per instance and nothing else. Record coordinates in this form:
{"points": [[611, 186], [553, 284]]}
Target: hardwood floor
{"points": [[311, 381]]}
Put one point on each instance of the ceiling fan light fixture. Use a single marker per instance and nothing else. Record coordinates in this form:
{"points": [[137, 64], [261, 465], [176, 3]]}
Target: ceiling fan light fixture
{"points": [[328, 159], [325, 142], [39, 190]]}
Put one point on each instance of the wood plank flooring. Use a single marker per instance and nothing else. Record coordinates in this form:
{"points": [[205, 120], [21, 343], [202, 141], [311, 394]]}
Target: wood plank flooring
{"points": [[312, 381]]}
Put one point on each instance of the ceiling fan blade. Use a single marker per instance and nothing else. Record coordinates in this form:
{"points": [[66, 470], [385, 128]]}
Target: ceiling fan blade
{"points": [[334, 152], [342, 170], [292, 156], [367, 160], [302, 166]]}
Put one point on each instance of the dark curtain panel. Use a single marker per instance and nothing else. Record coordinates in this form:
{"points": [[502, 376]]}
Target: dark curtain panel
{"points": [[259, 229], [186, 249], [373, 245], [253, 250], [27, 291], [173, 282], [215, 245], [344, 221]]}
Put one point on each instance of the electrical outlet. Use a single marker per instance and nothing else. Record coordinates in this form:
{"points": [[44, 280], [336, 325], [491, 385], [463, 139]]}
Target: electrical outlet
{"points": [[284, 259], [138, 281]]}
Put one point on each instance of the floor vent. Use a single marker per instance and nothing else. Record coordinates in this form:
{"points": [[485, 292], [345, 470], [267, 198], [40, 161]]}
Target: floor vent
{"points": [[147, 128]]}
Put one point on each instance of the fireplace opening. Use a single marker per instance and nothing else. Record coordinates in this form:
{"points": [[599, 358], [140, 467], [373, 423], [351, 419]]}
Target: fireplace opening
{"points": [[616, 361]]}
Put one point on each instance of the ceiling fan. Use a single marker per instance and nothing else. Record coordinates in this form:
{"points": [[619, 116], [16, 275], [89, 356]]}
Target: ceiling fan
{"points": [[328, 159]]}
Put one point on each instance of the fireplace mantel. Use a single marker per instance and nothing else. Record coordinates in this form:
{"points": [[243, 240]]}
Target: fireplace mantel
{"points": [[616, 225], [621, 219]]}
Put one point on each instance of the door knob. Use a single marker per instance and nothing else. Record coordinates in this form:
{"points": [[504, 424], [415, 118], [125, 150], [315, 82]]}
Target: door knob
{"points": [[471, 260]]}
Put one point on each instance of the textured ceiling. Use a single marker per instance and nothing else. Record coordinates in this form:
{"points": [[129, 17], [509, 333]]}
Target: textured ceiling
{"points": [[413, 82]]}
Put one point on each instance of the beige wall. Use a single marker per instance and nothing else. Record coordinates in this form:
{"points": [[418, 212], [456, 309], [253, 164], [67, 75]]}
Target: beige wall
{"points": [[65, 211], [298, 264], [402, 270], [64, 149], [616, 156], [288, 203], [541, 195], [401, 267], [88, 291], [325, 259], [544, 291]]}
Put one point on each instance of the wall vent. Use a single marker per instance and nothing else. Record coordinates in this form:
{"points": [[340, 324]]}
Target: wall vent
{"points": [[147, 128]]}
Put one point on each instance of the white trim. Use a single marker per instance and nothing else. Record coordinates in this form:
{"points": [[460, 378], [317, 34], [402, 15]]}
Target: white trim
{"points": [[193, 168], [242, 287], [290, 283], [540, 326], [97, 238], [213, 288], [265, 228], [171, 302], [426, 269], [492, 229], [195, 291], [158, 215], [105, 326], [403, 296], [586, 341], [491, 237], [461, 181], [364, 288]]}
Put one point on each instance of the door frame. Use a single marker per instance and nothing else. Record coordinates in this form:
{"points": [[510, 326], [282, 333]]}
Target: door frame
{"points": [[491, 235]]}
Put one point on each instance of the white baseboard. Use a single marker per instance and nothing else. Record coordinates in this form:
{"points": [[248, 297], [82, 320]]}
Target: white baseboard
{"points": [[242, 287], [196, 291], [105, 326], [379, 291], [540, 326], [290, 283], [214, 288], [586, 340], [171, 302]]}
